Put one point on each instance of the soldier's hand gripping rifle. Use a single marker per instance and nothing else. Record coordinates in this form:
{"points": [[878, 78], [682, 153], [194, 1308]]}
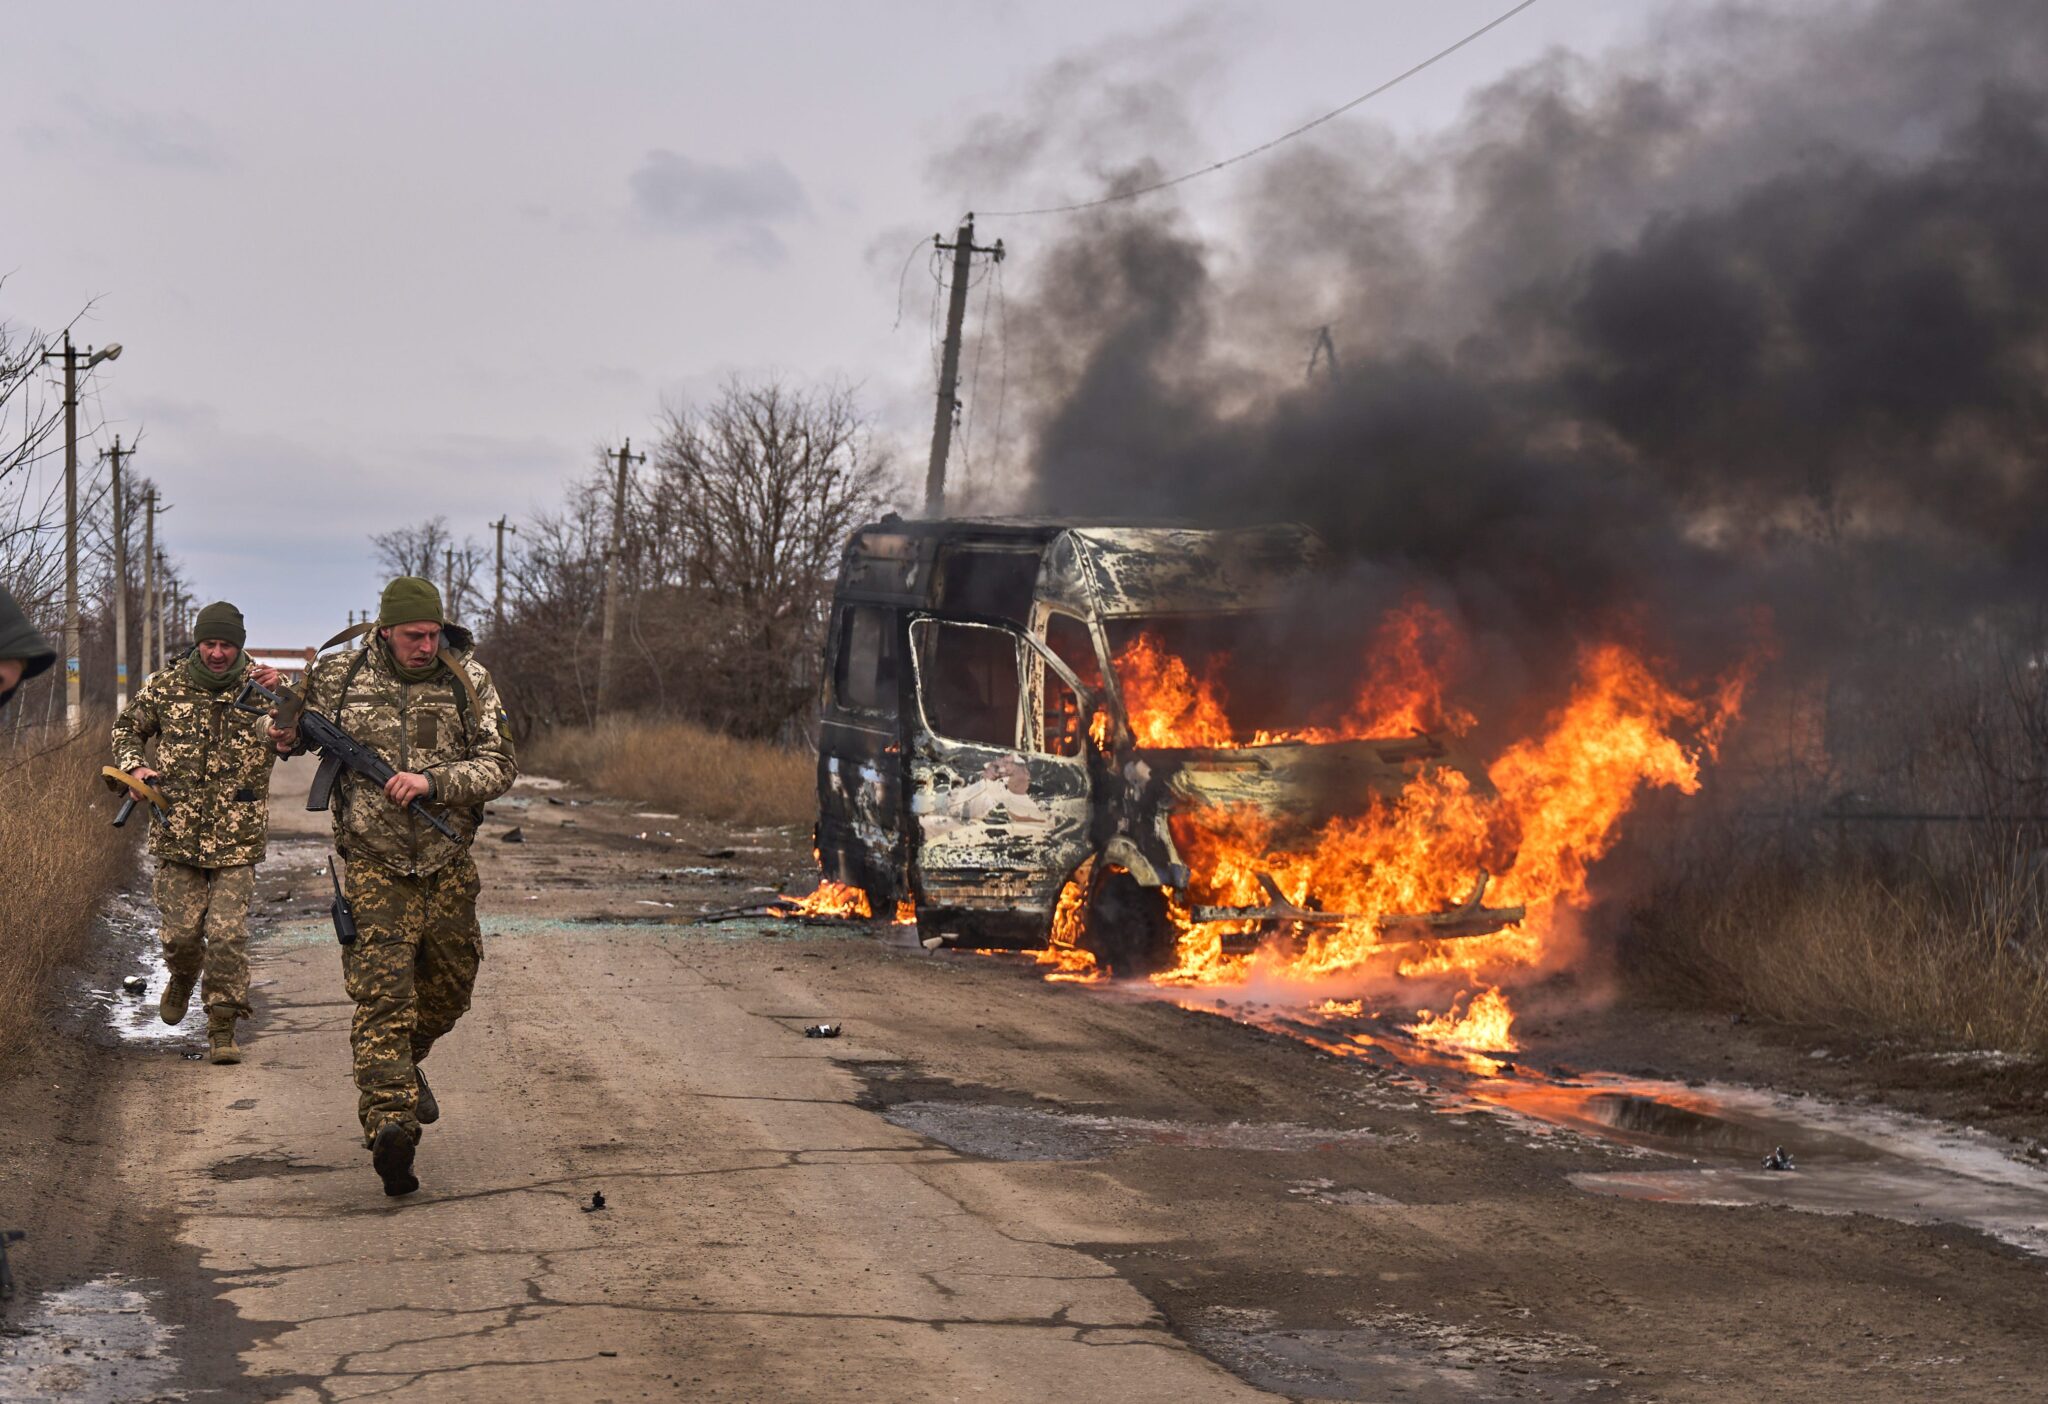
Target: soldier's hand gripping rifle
{"points": [[338, 750], [134, 792]]}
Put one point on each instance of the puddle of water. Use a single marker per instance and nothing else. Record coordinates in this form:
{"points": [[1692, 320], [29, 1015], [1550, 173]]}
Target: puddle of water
{"points": [[994, 1132], [1399, 1356], [1850, 1160], [98, 1344]]}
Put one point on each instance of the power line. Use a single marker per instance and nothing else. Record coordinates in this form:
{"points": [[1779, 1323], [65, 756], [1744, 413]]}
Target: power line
{"points": [[1266, 146]]}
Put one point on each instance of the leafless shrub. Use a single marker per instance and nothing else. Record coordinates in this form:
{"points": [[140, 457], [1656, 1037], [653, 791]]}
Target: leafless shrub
{"points": [[686, 767], [57, 855]]}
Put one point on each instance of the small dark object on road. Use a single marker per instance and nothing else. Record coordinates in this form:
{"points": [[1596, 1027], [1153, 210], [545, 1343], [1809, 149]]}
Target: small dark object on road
{"points": [[596, 1202], [512, 835], [822, 1031], [192, 1055], [134, 984], [553, 800], [718, 853], [1779, 1159]]}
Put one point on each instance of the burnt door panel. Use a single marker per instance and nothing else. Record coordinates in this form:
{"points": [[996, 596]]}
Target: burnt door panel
{"points": [[997, 824], [860, 755]]}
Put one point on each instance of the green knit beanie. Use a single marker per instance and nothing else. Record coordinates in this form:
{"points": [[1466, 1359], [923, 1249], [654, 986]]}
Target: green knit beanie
{"points": [[409, 600], [220, 621]]}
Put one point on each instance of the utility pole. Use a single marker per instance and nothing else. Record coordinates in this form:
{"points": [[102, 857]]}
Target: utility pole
{"points": [[163, 615], [114, 456], [148, 582], [448, 574], [614, 581], [1325, 349], [963, 250], [500, 526], [71, 356]]}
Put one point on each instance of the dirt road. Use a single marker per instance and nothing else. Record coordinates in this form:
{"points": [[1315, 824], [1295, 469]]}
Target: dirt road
{"points": [[987, 1188]]}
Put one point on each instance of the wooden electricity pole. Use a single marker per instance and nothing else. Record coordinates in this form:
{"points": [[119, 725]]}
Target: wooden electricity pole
{"points": [[963, 250], [614, 583], [71, 356], [448, 574], [149, 609], [114, 456], [500, 526]]}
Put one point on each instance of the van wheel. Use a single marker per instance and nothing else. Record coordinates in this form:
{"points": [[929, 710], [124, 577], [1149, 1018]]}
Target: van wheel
{"points": [[1127, 928]]}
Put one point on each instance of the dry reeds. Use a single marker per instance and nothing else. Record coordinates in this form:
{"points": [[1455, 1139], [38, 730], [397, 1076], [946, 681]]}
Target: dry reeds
{"points": [[686, 767], [58, 858], [1953, 954]]}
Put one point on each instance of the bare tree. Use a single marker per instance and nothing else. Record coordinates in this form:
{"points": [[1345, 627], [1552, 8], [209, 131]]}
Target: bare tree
{"points": [[430, 551]]}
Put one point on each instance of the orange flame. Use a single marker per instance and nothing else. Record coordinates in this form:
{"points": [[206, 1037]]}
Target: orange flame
{"points": [[1063, 952], [1556, 809], [1481, 1027], [831, 899]]}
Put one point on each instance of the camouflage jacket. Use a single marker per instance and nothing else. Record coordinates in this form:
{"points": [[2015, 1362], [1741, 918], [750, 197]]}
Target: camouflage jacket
{"points": [[214, 763], [433, 728]]}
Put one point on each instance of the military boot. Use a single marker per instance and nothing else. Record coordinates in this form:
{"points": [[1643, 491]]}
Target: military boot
{"points": [[391, 1151], [220, 1041], [427, 1109], [177, 998]]}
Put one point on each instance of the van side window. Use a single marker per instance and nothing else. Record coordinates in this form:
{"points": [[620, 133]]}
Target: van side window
{"points": [[1070, 642], [970, 683], [865, 679], [1064, 726]]}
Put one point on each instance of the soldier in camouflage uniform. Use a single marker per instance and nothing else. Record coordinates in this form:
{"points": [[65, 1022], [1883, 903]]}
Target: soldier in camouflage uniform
{"points": [[213, 765], [415, 694]]}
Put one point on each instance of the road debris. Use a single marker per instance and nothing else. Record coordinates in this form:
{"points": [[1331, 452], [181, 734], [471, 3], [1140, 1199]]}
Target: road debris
{"points": [[513, 835], [134, 984], [596, 1202], [1779, 1159], [822, 1031]]}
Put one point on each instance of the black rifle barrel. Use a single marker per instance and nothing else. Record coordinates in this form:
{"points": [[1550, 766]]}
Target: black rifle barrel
{"points": [[339, 751]]}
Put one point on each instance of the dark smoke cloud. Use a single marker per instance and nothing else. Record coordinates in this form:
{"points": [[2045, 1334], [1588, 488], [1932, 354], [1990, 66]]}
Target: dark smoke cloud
{"points": [[1752, 316]]}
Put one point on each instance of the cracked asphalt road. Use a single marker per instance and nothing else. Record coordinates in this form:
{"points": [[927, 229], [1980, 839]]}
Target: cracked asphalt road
{"points": [[989, 1188]]}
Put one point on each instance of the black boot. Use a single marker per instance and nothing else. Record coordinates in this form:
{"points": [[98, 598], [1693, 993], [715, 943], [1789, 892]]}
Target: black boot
{"points": [[391, 1153], [428, 1110]]}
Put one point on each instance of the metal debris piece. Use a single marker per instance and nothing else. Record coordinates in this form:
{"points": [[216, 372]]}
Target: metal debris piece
{"points": [[134, 984], [512, 835], [1779, 1159], [596, 1202], [718, 853], [8, 1236], [553, 800], [822, 1031]]}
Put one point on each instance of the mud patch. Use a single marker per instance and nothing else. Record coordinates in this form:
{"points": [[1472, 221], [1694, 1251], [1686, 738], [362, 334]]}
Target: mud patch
{"points": [[1013, 1133], [97, 1342], [1396, 1354]]}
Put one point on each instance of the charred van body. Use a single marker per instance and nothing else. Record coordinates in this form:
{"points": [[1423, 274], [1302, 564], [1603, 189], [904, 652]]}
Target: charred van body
{"points": [[976, 756]]}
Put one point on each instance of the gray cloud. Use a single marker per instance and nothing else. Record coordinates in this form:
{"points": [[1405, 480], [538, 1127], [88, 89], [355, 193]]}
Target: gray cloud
{"points": [[739, 203], [175, 140]]}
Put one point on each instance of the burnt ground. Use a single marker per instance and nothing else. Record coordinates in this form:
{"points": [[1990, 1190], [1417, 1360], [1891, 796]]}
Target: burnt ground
{"points": [[987, 1187]]}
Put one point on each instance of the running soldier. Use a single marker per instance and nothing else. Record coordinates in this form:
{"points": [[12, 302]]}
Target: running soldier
{"points": [[213, 765], [415, 694]]}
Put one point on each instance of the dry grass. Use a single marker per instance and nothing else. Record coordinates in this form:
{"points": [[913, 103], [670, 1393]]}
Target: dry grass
{"points": [[58, 857], [1952, 957], [684, 767]]}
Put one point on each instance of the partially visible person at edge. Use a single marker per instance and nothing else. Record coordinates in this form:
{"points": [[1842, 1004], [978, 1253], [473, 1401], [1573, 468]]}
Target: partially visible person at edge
{"points": [[23, 652], [414, 693], [213, 766]]}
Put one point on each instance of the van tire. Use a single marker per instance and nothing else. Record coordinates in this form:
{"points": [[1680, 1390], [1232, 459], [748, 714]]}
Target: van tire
{"points": [[1127, 928]]}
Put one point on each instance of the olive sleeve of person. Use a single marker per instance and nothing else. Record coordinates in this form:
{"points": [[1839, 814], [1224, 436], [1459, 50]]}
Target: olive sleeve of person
{"points": [[138, 721], [492, 767]]}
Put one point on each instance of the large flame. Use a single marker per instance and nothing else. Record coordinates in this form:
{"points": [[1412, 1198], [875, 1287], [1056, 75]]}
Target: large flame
{"points": [[1558, 800]]}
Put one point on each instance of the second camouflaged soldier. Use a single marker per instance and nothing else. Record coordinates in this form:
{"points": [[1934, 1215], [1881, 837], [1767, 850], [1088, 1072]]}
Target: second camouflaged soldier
{"points": [[213, 765], [23, 652], [414, 693]]}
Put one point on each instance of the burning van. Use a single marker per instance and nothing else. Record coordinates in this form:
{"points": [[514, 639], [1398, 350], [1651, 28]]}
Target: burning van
{"points": [[995, 753]]}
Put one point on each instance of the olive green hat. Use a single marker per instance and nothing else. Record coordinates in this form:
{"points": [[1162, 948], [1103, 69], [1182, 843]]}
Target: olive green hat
{"points": [[222, 622], [409, 600], [19, 639]]}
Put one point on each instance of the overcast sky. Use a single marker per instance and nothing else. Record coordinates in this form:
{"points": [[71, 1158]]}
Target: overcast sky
{"points": [[375, 262]]}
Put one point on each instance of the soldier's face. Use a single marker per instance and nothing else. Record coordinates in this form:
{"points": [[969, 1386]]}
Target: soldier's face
{"points": [[218, 654], [414, 645]]}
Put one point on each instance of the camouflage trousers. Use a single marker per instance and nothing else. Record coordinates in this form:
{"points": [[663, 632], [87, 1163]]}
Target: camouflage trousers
{"points": [[410, 973], [205, 915]]}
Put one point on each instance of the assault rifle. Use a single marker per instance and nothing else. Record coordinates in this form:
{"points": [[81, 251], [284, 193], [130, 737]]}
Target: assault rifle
{"points": [[338, 750]]}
